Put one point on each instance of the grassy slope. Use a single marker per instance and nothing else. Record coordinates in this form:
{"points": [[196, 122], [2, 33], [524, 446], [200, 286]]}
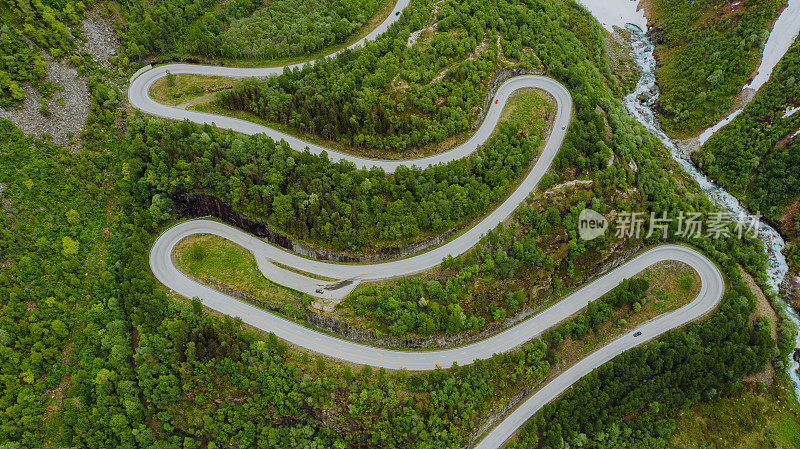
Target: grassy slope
{"points": [[529, 110], [667, 292], [752, 418], [211, 259], [709, 49], [187, 87]]}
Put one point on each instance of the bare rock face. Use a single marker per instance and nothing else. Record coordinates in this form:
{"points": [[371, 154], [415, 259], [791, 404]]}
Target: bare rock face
{"points": [[656, 35], [63, 116], [687, 147], [791, 285], [499, 78], [102, 42]]}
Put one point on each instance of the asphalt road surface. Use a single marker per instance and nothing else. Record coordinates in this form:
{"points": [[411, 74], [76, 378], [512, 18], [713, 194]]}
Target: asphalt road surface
{"points": [[139, 97], [432, 257], [710, 294]]}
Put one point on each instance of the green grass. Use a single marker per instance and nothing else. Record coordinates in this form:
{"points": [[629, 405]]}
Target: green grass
{"points": [[528, 110], [187, 87], [751, 418], [664, 295], [209, 259]]}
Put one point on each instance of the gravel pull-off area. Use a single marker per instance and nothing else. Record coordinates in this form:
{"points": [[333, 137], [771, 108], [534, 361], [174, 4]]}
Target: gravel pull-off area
{"points": [[102, 40], [65, 119]]}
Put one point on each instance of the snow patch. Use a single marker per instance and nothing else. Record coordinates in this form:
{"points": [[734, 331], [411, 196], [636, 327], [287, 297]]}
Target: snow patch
{"points": [[611, 13], [781, 36], [789, 111], [705, 135], [780, 39]]}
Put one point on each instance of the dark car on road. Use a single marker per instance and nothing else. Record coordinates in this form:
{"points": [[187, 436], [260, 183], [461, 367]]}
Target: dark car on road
{"points": [[636, 334], [319, 290]]}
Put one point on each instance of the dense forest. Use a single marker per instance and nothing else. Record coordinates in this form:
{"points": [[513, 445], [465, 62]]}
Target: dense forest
{"points": [[304, 195], [50, 240], [313, 199], [756, 156], [238, 28], [706, 49], [648, 382], [532, 260], [294, 27], [95, 353], [18, 63], [361, 97], [46, 23], [139, 369]]}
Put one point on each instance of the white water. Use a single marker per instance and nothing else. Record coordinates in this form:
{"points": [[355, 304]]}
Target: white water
{"points": [[626, 13], [621, 13], [643, 112]]}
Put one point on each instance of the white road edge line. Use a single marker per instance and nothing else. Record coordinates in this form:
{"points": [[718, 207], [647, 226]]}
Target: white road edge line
{"points": [[711, 292]]}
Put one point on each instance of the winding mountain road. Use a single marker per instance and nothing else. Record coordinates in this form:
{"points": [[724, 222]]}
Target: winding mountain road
{"points": [[161, 262]]}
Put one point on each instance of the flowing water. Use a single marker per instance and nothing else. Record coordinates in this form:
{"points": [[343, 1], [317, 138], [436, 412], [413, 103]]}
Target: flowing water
{"points": [[640, 104]]}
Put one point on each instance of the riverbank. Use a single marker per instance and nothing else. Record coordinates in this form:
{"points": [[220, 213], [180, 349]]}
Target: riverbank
{"points": [[640, 104]]}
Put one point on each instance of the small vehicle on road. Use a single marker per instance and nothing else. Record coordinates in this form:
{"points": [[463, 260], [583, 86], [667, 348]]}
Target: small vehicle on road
{"points": [[397, 13], [495, 101], [564, 127], [319, 290], [637, 333]]}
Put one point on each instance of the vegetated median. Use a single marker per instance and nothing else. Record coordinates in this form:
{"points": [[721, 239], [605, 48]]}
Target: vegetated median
{"points": [[531, 110], [217, 262], [178, 89], [221, 264]]}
